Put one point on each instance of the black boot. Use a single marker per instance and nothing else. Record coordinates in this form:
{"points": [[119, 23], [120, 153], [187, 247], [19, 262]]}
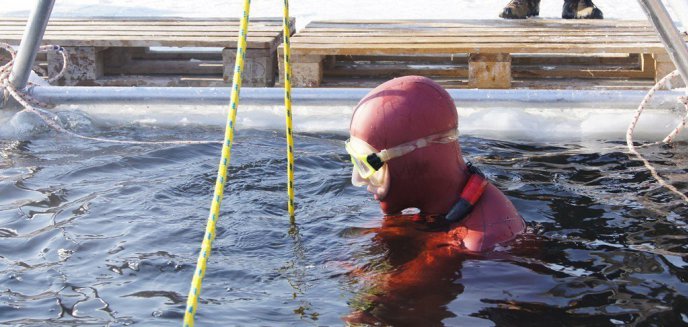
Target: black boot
{"points": [[580, 9], [519, 9]]}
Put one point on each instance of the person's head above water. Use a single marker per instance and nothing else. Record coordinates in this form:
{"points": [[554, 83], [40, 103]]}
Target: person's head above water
{"points": [[411, 122]]}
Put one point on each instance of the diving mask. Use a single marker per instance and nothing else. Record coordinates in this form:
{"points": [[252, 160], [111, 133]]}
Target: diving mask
{"points": [[369, 163]]}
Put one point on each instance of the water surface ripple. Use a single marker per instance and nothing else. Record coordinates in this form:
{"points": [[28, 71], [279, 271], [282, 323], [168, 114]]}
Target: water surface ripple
{"points": [[103, 234]]}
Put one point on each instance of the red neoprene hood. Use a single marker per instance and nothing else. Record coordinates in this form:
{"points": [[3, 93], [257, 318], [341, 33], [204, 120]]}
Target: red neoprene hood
{"points": [[406, 109]]}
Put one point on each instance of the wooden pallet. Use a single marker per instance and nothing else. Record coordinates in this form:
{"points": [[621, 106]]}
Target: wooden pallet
{"points": [[117, 50], [477, 53]]}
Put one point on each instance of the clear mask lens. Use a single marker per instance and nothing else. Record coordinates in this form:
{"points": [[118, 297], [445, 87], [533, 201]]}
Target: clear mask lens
{"points": [[376, 179], [359, 150], [365, 174]]}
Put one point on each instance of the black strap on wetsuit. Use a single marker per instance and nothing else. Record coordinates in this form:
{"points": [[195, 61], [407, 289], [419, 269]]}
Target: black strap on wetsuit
{"points": [[470, 195]]}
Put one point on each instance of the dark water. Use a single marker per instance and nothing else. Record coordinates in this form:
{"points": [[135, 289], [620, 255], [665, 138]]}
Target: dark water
{"points": [[102, 234]]}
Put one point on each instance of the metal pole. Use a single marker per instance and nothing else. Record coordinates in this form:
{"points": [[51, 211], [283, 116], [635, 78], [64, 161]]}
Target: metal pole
{"points": [[33, 35], [680, 9], [671, 37], [261, 96]]}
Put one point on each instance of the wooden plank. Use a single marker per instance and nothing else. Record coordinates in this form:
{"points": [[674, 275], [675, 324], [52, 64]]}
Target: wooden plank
{"points": [[360, 40], [144, 22], [476, 31], [152, 19], [388, 49], [398, 69], [663, 65], [473, 29], [297, 37], [517, 59], [489, 71], [183, 21], [577, 72], [472, 40], [147, 32], [85, 65], [163, 81], [617, 59], [410, 59], [145, 26], [452, 82], [307, 71], [647, 64], [167, 67], [259, 43], [552, 23], [151, 34], [259, 66], [179, 55], [582, 84], [71, 28], [482, 21], [580, 24], [427, 22], [461, 70]]}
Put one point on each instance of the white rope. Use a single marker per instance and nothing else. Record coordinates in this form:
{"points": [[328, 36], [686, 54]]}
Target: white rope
{"points": [[629, 133], [36, 107], [681, 125]]}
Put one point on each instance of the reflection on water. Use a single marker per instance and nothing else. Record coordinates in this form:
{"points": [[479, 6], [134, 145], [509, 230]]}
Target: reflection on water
{"points": [[102, 234]]}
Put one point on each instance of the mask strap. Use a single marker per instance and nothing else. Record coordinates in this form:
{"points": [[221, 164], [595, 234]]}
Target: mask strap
{"points": [[406, 148]]}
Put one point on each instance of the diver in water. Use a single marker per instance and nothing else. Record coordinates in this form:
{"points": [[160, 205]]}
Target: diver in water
{"points": [[573, 9], [404, 148]]}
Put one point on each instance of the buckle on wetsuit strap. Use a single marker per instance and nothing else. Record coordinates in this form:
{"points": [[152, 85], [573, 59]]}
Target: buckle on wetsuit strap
{"points": [[470, 194]]}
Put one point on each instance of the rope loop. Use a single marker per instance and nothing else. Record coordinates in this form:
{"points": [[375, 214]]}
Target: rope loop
{"points": [[665, 82]]}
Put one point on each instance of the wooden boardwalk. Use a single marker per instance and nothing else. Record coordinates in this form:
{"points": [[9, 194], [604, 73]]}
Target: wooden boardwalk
{"points": [[531, 53], [481, 53], [116, 50]]}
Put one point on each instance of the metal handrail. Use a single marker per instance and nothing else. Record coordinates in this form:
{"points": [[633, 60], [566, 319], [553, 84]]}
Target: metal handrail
{"points": [[31, 41], [670, 35]]}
